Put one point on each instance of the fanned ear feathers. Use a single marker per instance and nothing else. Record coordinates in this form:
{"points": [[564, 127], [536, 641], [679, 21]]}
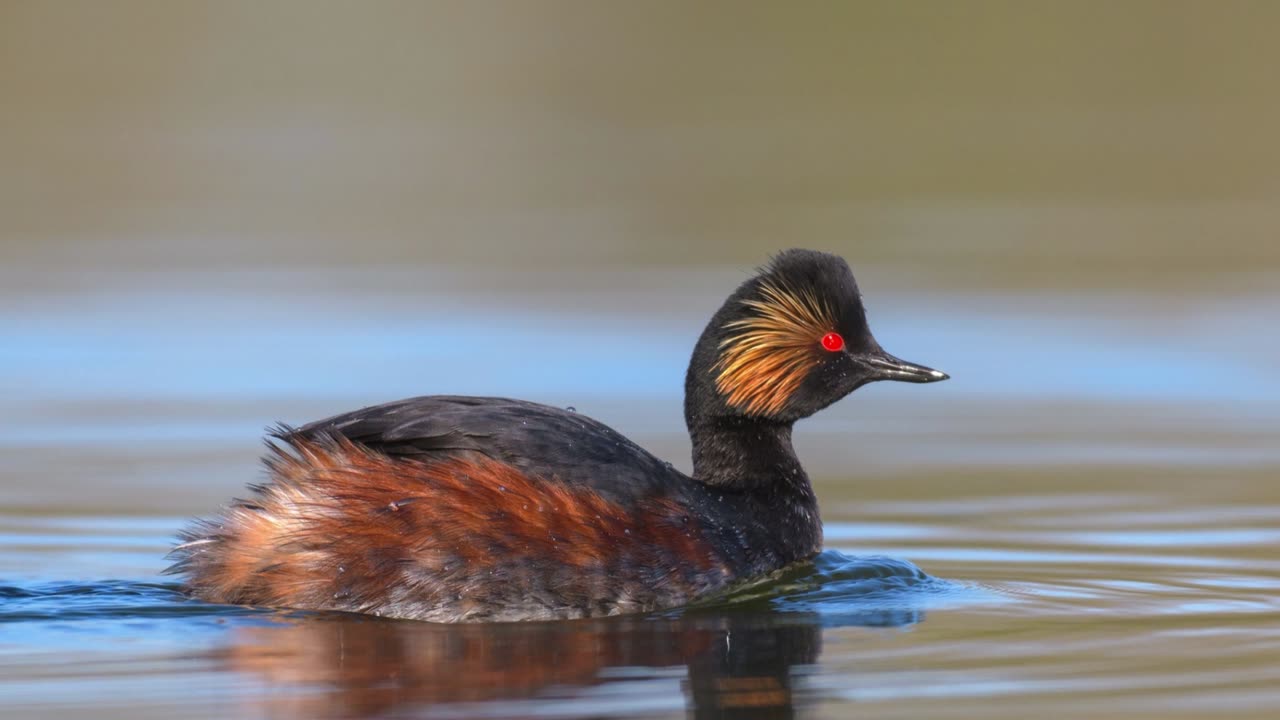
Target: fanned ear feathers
{"points": [[768, 354]]}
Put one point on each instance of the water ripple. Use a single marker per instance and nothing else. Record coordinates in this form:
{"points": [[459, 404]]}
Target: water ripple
{"points": [[842, 590], [111, 599], [837, 588]]}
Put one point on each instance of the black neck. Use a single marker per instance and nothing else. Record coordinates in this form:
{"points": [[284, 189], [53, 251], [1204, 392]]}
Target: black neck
{"points": [[752, 462], [743, 453]]}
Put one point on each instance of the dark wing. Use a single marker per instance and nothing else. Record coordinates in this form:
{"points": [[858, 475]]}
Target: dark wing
{"points": [[537, 439]]}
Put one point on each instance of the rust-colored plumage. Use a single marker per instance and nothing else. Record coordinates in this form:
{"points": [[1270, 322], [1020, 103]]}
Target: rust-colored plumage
{"points": [[768, 353], [461, 537]]}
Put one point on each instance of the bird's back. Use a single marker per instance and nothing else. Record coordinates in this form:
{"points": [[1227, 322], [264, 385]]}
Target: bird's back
{"points": [[540, 440], [460, 508]]}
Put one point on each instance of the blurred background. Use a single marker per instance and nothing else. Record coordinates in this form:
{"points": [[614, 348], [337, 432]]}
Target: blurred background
{"points": [[216, 216], [984, 144], [270, 210]]}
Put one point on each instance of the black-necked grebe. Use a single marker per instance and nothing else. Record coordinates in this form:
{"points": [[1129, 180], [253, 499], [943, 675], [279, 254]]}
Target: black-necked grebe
{"points": [[457, 509]]}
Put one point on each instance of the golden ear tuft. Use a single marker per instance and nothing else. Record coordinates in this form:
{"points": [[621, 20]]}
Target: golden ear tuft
{"points": [[768, 354]]}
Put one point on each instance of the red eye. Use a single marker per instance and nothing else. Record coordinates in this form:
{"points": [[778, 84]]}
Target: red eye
{"points": [[832, 342]]}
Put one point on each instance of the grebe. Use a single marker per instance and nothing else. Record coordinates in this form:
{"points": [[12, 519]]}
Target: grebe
{"points": [[468, 509]]}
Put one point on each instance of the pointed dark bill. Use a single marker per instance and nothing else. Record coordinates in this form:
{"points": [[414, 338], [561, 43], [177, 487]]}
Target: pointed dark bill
{"points": [[887, 367]]}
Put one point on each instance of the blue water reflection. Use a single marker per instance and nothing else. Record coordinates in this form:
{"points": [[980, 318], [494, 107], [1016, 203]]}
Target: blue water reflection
{"points": [[250, 343]]}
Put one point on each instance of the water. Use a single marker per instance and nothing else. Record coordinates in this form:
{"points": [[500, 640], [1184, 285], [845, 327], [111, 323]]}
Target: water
{"points": [[1083, 519]]}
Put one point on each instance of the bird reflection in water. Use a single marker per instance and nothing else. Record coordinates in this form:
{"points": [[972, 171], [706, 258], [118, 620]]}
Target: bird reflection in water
{"points": [[735, 664]]}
